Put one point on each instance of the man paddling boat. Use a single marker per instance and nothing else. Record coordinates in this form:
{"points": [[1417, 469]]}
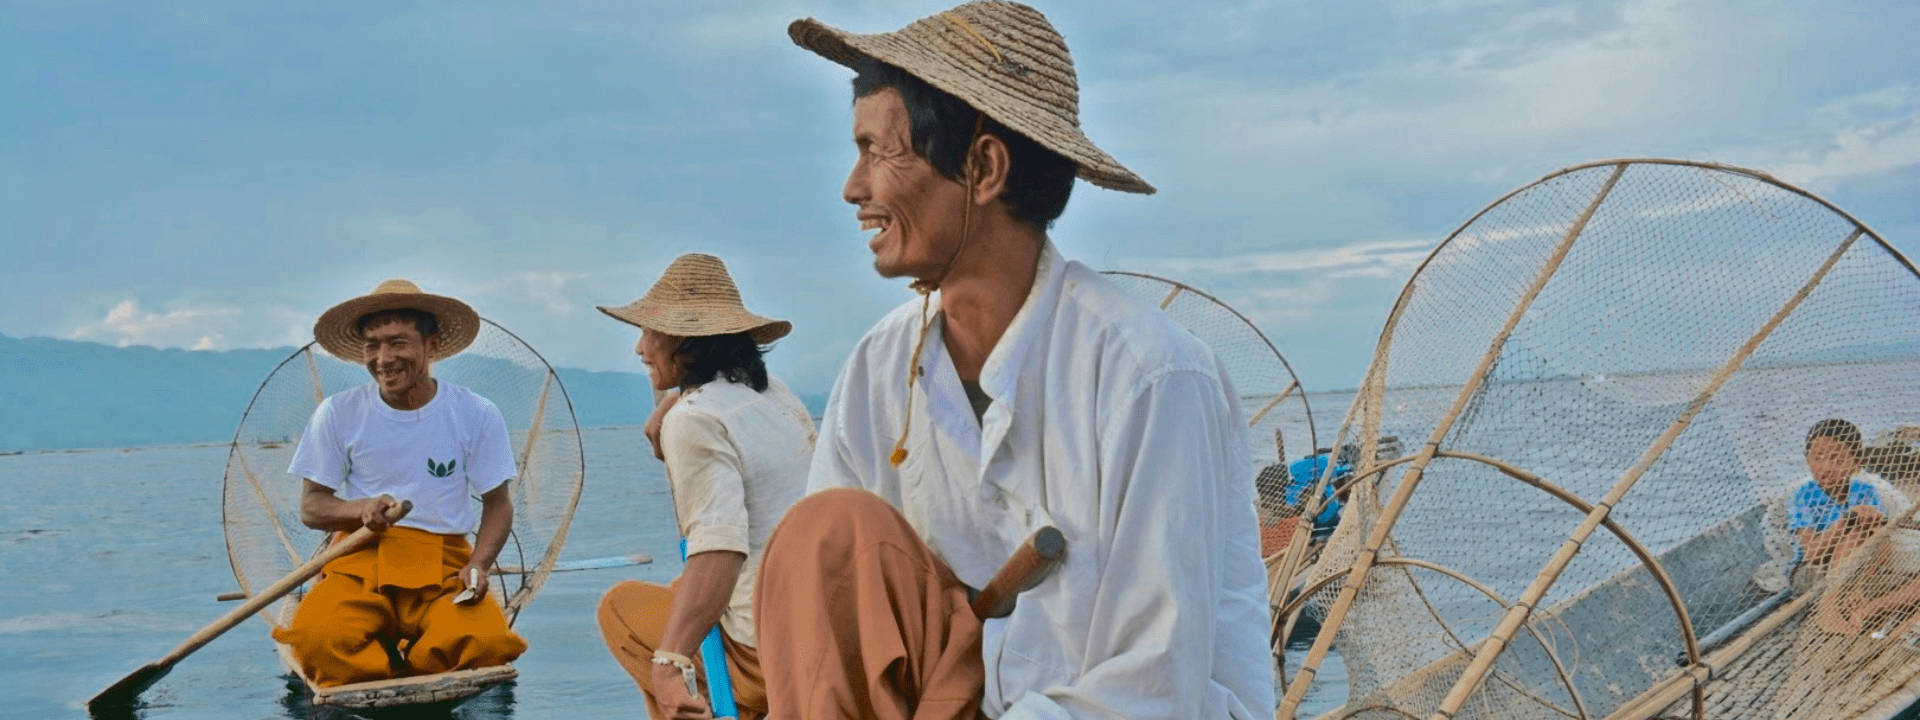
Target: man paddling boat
{"points": [[413, 602], [1030, 392]]}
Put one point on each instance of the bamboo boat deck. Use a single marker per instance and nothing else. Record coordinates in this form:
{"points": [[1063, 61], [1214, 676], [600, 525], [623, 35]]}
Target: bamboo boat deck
{"points": [[1796, 670]]}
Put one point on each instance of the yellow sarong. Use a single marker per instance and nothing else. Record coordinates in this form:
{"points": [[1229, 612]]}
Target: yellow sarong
{"points": [[387, 611]]}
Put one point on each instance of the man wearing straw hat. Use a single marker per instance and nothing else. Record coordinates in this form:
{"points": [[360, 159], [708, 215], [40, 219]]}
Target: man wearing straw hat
{"points": [[1038, 394], [416, 595], [736, 444]]}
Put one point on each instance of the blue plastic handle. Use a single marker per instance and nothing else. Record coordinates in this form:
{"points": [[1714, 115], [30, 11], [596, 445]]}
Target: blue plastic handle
{"points": [[713, 657]]}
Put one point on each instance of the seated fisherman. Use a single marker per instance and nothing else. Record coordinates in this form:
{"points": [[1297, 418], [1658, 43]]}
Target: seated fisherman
{"points": [[1834, 515], [1023, 391], [737, 446], [1842, 504], [390, 610]]}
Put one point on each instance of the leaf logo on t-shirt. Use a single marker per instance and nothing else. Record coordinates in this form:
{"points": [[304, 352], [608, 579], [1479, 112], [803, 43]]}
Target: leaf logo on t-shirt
{"points": [[440, 469]]}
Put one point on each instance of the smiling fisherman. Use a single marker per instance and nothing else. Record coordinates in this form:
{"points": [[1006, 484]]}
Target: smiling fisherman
{"points": [[1028, 392], [405, 436]]}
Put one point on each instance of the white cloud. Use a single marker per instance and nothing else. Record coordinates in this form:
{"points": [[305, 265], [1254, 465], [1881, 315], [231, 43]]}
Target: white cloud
{"points": [[129, 324], [1857, 150], [195, 327], [1677, 79], [1363, 259]]}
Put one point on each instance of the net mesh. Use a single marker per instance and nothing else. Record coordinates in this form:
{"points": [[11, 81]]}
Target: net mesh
{"points": [[1657, 338], [265, 538]]}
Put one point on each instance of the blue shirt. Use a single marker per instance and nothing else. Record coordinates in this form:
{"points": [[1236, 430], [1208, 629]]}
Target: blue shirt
{"points": [[1812, 507], [1304, 472]]}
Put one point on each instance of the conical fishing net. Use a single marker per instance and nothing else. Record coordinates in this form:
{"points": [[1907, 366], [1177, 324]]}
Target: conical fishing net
{"points": [[265, 539], [1605, 383]]}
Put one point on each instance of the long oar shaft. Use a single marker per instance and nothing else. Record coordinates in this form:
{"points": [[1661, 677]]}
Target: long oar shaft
{"points": [[130, 687]]}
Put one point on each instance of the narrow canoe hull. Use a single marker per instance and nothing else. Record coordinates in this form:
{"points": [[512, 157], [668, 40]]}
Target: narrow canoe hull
{"points": [[450, 687]]}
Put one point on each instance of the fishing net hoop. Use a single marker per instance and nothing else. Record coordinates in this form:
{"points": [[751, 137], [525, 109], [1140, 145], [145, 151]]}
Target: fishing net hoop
{"points": [[1380, 557]]}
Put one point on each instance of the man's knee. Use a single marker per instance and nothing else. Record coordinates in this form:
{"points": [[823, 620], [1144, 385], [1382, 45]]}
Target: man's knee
{"points": [[840, 513], [635, 608]]}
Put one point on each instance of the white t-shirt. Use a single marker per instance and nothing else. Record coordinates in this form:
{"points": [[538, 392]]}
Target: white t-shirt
{"points": [[438, 456], [737, 459]]}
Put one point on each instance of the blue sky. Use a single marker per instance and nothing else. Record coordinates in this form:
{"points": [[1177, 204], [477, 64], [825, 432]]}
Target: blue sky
{"points": [[216, 174]]}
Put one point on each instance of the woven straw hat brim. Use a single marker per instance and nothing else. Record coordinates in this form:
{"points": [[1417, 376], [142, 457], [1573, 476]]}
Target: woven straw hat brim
{"points": [[1030, 88], [696, 297], [690, 322], [338, 329]]}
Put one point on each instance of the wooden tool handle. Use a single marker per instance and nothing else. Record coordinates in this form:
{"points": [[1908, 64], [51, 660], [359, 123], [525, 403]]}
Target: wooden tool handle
{"points": [[1031, 562], [284, 585], [128, 688]]}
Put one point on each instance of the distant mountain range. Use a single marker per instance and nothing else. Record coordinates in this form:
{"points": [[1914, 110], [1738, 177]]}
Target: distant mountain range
{"points": [[58, 394]]}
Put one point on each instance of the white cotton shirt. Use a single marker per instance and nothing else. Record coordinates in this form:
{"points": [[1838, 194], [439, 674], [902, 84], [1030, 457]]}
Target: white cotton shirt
{"points": [[439, 456], [1115, 425], [736, 460]]}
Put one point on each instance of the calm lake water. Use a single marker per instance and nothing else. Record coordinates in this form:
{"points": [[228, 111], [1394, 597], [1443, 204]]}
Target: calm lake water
{"points": [[110, 558]]}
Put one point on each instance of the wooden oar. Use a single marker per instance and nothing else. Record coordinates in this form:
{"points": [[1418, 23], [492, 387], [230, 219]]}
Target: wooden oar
{"points": [[124, 692], [1031, 563]]}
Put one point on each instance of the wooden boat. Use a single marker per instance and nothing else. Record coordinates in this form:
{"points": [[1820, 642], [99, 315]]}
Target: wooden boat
{"points": [[1612, 373], [265, 538]]}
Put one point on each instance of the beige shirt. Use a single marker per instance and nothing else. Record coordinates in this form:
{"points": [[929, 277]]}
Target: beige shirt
{"points": [[736, 460]]}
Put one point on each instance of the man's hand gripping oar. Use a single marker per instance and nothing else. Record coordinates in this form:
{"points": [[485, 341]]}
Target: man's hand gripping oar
{"points": [[124, 692]]}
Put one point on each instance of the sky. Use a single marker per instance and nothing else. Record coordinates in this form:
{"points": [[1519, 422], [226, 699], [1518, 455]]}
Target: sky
{"points": [[214, 175]]}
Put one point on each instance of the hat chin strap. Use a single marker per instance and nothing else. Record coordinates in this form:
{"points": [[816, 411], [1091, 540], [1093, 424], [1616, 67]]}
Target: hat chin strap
{"points": [[926, 286]]}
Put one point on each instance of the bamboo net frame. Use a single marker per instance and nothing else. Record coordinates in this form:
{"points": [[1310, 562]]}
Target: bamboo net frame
{"points": [[1371, 543]]}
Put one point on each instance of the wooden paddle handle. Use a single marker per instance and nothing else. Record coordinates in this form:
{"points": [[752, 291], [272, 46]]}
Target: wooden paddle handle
{"points": [[284, 585], [1031, 562], [127, 689]]}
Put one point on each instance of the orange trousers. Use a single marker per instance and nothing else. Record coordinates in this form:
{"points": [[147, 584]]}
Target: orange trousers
{"points": [[633, 616], [387, 611], [858, 618]]}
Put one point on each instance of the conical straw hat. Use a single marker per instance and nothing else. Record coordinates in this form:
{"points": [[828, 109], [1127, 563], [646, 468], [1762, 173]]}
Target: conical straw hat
{"points": [[1003, 58], [696, 298], [338, 329]]}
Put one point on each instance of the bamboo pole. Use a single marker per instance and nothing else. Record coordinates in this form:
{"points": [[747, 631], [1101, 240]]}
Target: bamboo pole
{"points": [[1171, 294], [1296, 603], [1271, 404], [313, 369], [1297, 689], [273, 513], [531, 583], [1496, 642], [1663, 693]]}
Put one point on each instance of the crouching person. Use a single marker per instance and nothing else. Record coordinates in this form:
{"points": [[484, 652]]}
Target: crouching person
{"points": [[389, 610], [737, 445]]}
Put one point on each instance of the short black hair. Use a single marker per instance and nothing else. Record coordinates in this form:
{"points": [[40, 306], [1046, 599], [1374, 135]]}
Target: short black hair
{"points": [[940, 126], [734, 356], [1847, 433], [427, 323]]}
